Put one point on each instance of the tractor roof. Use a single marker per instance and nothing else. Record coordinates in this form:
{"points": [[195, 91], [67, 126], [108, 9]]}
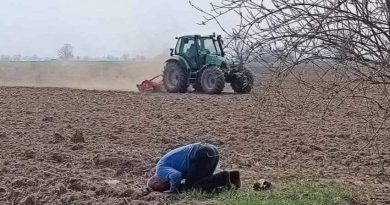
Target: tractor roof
{"points": [[193, 36]]}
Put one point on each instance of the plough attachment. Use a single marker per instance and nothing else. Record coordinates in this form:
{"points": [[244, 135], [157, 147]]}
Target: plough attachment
{"points": [[153, 85]]}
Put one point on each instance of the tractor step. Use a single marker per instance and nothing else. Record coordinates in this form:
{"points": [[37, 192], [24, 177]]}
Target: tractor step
{"points": [[192, 78]]}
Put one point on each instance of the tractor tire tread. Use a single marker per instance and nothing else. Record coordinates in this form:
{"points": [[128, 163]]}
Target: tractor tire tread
{"points": [[220, 80], [238, 88], [182, 85]]}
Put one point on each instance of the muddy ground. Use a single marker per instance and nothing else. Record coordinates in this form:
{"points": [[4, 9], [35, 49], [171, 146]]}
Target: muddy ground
{"points": [[60, 146]]}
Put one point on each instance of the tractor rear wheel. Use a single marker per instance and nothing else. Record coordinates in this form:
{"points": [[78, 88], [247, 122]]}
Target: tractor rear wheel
{"points": [[175, 78], [213, 80], [243, 83]]}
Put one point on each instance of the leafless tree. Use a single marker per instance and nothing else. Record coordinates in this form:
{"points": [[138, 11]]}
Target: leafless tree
{"points": [[334, 49], [66, 52]]}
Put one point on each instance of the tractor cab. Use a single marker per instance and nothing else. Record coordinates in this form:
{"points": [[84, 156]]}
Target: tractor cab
{"points": [[199, 51]]}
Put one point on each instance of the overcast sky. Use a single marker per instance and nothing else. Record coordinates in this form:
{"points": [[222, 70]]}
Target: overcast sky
{"points": [[97, 27]]}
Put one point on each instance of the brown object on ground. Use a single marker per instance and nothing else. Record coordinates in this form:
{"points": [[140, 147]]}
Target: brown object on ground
{"points": [[60, 189], [57, 138], [261, 185], [19, 182], [78, 137], [29, 154], [48, 119], [28, 200]]}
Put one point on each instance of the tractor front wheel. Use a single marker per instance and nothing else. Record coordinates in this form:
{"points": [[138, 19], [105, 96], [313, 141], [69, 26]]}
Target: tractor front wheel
{"points": [[213, 80], [243, 83], [175, 78]]}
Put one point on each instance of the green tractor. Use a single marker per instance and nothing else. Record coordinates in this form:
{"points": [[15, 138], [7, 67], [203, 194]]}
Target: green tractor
{"points": [[199, 61]]}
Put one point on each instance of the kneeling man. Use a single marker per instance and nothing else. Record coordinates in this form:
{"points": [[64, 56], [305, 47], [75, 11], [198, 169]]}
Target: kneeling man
{"points": [[196, 164]]}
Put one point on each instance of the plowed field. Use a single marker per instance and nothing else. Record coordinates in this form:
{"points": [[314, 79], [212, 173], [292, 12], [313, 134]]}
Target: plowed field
{"points": [[65, 146]]}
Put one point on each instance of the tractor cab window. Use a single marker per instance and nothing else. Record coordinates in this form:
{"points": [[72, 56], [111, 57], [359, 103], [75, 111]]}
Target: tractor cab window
{"points": [[208, 46], [185, 46], [218, 49], [188, 49], [177, 49]]}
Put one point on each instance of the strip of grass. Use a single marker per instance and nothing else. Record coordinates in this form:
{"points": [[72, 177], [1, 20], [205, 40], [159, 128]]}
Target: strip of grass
{"points": [[291, 193]]}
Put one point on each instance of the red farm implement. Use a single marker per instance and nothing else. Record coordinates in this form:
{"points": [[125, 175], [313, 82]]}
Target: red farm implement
{"points": [[155, 84]]}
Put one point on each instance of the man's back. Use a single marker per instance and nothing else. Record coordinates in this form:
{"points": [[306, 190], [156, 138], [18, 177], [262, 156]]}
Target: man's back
{"points": [[177, 159]]}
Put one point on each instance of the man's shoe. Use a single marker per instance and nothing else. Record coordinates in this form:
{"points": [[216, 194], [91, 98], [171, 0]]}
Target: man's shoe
{"points": [[235, 179]]}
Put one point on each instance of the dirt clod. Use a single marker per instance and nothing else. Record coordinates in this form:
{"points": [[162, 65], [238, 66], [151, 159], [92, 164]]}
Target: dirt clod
{"points": [[100, 191], [19, 182], [29, 154], [77, 147], [139, 202], [31, 182], [333, 150], [28, 200], [78, 137], [3, 135], [4, 170], [315, 147], [48, 119], [60, 189], [57, 138], [14, 195], [343, 136], [318, 157], [303, 149], [58, 157], [347, 162], [76, 184], [127, 193], [177, 116]]}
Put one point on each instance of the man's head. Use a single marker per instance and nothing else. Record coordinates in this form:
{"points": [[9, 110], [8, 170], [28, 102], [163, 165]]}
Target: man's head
{"points": [[156, 184]]}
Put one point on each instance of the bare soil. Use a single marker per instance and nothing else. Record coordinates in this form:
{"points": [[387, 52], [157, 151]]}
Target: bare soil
{"points": [[69, 146], [120, 75]]}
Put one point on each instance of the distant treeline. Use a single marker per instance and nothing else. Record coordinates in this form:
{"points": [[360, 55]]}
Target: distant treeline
{"points": [[35, 58]]}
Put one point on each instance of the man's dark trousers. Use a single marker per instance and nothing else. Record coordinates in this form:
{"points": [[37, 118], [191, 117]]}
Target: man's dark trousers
{"points": [[202, 166]]}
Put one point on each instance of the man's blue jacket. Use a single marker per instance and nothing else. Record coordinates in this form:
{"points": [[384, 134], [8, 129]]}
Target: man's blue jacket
{"points": [[173, 166]]}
